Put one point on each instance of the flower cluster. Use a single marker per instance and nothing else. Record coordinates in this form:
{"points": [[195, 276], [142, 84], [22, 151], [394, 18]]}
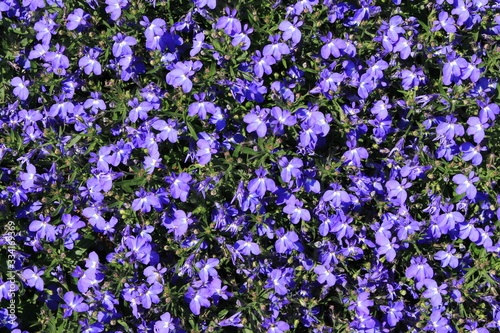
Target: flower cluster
{"points": [[307, 165]]}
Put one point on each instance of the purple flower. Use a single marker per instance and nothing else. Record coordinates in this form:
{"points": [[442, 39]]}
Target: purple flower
{"points": [[197, 299], [461, 9], [181, 74], [114, 8], [394, 312], [43, 229], [234, 320], [140, 248], [325, 275], [392, 30], [205, 151], [403, 47], [291, 30], [261, 184], [20, 87], [413, 77], [247, 247], [145, 201], [89, 62], [472, 153], [290, 168], [446, 257], [73, 303], [362, 303], [450, 217], [167, 128], [207, 268], [386, 246], [476, 128], [153, 28], [294, 209], [149, 296], [277, 281], [398, 190], [354, 155], [419, 269], [438, 323], [488, 111], [445, 22], [274, 326], [33, 278], [276, 49], [154, 273], [434, 292], [139, 110], [165, 324], [39, 51], [257, 121], [332, 46], [449, 128], [179, 188], [58, 59], [122, 44], [201, 107], [286, 242], [78, 20], [45, 28], [366, 85], [230, 23], [241, 38], [336, 196], [452, 70], [181, 222], [28, 178], [262, 64], [466, 184], [7, 289]]}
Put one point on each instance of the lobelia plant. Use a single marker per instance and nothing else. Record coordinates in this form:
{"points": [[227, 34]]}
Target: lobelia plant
{"points": [[201, 166]]}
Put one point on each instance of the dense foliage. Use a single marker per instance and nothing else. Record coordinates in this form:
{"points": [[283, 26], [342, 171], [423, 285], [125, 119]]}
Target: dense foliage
{"points": [[199, 166]]}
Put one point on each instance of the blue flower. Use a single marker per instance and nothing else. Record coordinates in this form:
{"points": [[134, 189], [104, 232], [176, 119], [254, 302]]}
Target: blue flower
{"points": [[466, 184], [78, 20], [20, 87], [182, 73], [114, 8], [257, 121], [33, 278], [291, 30], [89, 62], [262, 64]]}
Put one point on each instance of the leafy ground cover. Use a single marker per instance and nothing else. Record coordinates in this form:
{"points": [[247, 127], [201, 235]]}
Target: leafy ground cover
{"points": [[252, 166]]}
